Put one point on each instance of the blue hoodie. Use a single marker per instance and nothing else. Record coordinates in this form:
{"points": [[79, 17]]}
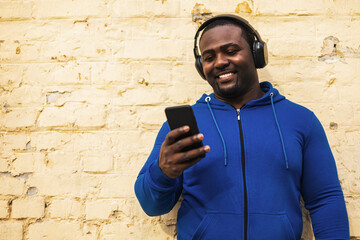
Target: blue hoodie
{"points": [[263, 158]]}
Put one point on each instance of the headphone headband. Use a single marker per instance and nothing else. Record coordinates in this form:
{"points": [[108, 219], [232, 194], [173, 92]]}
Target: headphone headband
{"points": [[231, 17]]}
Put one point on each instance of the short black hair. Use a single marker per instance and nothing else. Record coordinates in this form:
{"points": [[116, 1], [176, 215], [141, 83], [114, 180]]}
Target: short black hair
{"points": [[249, 37]]}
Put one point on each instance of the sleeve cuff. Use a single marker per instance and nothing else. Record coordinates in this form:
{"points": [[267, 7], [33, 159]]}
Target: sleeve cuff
{"points": [[159, 178]]}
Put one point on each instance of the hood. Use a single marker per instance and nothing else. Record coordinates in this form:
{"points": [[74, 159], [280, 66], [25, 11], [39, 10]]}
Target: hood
{"points": [[264, 100]]}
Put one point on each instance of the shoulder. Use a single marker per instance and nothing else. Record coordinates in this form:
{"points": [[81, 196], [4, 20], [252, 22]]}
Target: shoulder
{"points": [[295, 110], [297, 117]]}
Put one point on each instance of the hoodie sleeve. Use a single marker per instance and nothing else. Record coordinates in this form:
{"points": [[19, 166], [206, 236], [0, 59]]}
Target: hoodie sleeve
{"points": [[321, 188], [157, 193]]}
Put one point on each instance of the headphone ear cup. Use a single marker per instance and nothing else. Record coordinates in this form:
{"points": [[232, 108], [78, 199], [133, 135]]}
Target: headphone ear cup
{"points": [[260, 54], [199, 66]]}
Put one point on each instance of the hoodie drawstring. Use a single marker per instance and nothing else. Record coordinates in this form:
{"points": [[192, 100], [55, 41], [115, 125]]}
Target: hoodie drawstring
{"points": [[277, 123], [207, 100]]}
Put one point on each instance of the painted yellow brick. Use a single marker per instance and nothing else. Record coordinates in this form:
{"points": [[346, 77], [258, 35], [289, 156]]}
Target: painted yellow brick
{"points": [[152, 72], [11, 185], [124, 186], [151, 117], [353, 207], [127, 208], [140, 28], [92, 142], [102, 209], [91, 116], [16, 9], [188, 95], [94, 96], [16, 51], [125, 164], [57, 117], [41, 74], [63, 162], [14, 141], [340, 28], [73, 115], [55, 231], [11, 230], [10, 74], [342, 114], [53, 52], [32, 207], [25, 162], [19, 118], [160, 49], [4, 209], [36, 30], [46, 141], [4, 163], [71, 73], [347, 94], [64, 185], [142, 96], [354, 227], [68, 9], [110, 74], [296, 47], [144, 139], [352, 138], [346, 155], [226, 6], [97, 161], [143, 230], [137, 8], [188, 75], [128, 119], [306, 7], [295, 30], [65, 209], [15, 98]]}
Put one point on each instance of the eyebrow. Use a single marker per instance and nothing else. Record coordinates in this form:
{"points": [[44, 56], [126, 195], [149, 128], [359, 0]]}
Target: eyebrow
{"points": [[222, 48]]}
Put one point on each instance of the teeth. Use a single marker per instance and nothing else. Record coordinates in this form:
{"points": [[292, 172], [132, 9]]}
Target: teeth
{"points": [[225, 75]]}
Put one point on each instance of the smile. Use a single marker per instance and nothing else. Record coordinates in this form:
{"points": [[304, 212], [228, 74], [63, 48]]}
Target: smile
{"points": [[225, 75]]}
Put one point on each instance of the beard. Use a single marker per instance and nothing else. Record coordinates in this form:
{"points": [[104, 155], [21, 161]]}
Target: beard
{"points": [[229, 92]]}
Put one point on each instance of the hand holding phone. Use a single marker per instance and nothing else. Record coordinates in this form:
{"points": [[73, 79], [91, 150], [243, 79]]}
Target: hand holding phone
{"points": [[183, 146]]}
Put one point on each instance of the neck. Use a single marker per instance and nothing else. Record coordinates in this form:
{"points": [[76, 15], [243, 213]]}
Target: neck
{"points": [[239, 101]]}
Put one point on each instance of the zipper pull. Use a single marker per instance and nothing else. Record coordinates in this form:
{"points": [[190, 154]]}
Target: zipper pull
{"points": [[238, 114]]}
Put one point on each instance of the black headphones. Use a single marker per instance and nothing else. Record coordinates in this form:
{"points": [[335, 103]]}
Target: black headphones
{"points": [[259, 48]]}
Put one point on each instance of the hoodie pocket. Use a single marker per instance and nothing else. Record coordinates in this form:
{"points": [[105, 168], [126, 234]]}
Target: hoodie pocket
{"points": [[270, 227], [219, 225]]}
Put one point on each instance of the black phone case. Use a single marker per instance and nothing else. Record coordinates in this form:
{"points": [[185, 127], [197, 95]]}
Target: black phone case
{"points": [[179, 116]]}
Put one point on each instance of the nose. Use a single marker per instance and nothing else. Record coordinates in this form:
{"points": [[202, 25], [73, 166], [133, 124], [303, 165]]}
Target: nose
{"points": [[221, 61]]}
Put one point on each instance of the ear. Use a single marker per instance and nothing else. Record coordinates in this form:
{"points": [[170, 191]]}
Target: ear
{"points": [[260, 54], [199, 66]]}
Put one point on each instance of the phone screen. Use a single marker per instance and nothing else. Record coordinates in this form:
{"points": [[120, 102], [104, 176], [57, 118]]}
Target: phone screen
{"points": [[179, 116]]}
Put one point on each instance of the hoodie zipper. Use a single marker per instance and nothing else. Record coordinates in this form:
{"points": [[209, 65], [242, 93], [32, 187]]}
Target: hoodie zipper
{"points": [[243, 174]]}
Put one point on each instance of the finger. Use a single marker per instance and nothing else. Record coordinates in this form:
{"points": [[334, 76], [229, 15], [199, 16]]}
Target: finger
{"points": [[178, 162], [189, 156], [174, 134], [189, 162], [185, 142]]}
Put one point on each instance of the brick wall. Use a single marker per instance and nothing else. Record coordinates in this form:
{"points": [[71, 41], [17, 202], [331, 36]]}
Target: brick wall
{"points": [[83, 86]]}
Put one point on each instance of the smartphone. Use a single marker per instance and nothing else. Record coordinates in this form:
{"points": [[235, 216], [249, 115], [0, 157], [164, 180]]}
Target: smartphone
{"points": [[179, 116]]}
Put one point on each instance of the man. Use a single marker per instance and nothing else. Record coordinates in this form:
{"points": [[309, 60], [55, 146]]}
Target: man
{"points": [[262, 153]]}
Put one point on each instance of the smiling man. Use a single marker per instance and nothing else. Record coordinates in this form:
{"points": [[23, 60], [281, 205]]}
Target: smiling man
{"points": [[262, 153]]}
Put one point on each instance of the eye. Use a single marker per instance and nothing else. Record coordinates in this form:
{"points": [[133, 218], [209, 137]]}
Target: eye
{"points": [[208, 58], [231, 51]]}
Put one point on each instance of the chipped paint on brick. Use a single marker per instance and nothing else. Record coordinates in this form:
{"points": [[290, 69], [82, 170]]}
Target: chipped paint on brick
{"points": [[200, 14]]}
